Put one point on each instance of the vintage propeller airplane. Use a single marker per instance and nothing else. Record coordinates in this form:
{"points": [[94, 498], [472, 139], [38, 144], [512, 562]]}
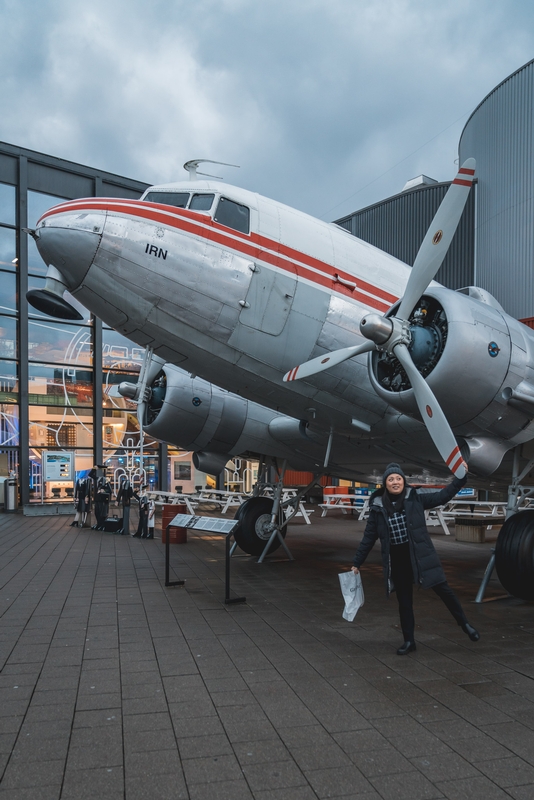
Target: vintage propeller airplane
{"points": [[238, 290]]}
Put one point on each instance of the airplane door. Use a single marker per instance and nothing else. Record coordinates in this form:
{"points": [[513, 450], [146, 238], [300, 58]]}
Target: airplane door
{"points": [[268, 301]]}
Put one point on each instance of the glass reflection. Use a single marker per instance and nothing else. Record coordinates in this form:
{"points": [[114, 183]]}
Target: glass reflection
{"points": [[9, 384], [65, 428], [8, 337], [59, 342], [61, 386], [8, 248], [8, 204], [39, 283], [38, 203], [120, 353], [128, 464], [9, 424], [8, 292]]}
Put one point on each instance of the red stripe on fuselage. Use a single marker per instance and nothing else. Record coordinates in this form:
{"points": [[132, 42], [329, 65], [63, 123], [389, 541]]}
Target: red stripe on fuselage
{"points": [[276, 253], [459, 182]]}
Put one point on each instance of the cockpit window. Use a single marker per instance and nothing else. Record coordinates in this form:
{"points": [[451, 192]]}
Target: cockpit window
{"points": [[177, 199], [233, 215], [201, 202]]}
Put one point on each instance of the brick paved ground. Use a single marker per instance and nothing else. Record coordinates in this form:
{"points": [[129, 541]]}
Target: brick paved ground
{"points": [[112, 686]]}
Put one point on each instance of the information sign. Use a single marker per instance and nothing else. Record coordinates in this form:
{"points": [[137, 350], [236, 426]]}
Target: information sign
{"points": [[58, 466]]}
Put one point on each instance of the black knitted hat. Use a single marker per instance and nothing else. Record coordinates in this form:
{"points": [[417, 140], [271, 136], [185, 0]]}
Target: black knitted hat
{"points": [[393, 469]]}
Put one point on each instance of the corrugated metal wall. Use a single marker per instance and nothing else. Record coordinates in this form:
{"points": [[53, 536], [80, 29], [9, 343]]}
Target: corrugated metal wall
{"points": [[398, 226], [499, 134]]}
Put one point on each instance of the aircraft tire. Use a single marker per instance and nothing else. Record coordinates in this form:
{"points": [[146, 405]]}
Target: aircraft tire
{"points": [[249, 534], [514, 555]]}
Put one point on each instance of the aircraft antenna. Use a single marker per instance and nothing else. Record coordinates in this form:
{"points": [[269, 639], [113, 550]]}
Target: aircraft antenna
{"points": [[191, 167]]}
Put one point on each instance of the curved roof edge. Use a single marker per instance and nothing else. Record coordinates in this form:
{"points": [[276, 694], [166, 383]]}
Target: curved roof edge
{"points": [[423, 188], [495, 89]]}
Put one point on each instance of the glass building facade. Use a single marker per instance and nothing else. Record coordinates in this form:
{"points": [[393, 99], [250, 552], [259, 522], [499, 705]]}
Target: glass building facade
{"points": [[59, 379]]}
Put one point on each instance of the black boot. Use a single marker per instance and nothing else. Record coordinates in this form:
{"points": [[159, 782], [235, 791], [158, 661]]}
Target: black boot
{"points": [[73, 524], [407, 647], [473, 634]]}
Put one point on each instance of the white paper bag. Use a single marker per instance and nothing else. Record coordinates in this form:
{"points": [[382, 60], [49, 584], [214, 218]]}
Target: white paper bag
{"points": [[352, 590]]}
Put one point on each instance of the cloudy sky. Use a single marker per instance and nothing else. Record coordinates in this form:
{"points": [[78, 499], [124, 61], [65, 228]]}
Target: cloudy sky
{"points": [[328, 105]]}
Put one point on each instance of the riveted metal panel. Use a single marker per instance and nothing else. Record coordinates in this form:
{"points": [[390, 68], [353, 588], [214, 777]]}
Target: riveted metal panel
{"points": [[499, 135], [398, 226]]}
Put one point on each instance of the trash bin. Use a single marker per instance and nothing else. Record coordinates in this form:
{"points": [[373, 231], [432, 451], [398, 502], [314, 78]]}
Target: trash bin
{"points": [[11, 494]]}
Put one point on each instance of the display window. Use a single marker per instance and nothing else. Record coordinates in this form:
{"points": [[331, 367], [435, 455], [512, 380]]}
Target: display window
{"points": [[9, 425], [8, 204], [9, 382], [8, 293], [8, 337], [59, 342], [54, 471], [119, 353], [60, 385], [69, 428], [8, 249]]}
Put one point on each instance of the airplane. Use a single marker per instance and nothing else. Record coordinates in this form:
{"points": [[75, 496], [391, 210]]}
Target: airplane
{"points": [[300, 341]]}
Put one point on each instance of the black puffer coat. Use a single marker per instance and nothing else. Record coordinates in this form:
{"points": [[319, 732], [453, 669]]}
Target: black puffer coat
{"points": [[426, 566]]}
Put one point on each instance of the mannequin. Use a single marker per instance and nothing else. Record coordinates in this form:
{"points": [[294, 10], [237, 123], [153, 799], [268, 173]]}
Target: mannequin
{"points": [[103, 493], [124, 496], [82, 502], [142, 528]]}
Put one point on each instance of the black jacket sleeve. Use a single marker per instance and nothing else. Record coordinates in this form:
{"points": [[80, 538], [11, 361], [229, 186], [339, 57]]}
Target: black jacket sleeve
{"points": [[370, 536], [433, 499]]}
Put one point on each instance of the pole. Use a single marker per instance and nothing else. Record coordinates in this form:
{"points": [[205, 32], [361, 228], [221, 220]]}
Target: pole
{"points": [[168, 558], [227, 599]]}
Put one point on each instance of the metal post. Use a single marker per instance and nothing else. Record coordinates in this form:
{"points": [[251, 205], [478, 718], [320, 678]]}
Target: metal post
{"points": [[227, 599], [167, 560], [485, 580]]}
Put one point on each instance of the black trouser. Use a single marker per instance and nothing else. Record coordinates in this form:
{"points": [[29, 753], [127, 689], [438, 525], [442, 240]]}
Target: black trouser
{"points": [[402, 577]]}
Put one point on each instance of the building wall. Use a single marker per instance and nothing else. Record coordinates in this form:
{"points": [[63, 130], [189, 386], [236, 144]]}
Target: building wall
{"points": [[398, 225], [500, 135], [55, 376]]}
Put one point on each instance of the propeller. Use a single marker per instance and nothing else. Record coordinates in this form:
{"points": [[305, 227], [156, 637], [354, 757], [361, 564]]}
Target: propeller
{"points": [[392, 334]]}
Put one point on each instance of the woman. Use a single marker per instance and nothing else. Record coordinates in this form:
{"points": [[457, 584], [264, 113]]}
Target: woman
{"points": [[397, 518]]}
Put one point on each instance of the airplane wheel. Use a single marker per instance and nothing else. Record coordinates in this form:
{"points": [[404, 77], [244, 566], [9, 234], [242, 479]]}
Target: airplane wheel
{"points": [[251, 534], [514, 555]]}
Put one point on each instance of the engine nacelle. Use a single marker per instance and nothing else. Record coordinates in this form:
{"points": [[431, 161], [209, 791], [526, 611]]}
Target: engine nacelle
{"points": [[469, 351], [199, 416]]}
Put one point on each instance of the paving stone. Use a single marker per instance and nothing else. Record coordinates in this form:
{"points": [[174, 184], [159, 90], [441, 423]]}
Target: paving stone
{"points": [[341, 782], [407, 786], [479, 788], [507, 772]]}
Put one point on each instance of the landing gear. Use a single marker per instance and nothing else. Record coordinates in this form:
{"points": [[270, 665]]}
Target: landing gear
{"points": [[514, 555], [255, 529], [514, 552]]}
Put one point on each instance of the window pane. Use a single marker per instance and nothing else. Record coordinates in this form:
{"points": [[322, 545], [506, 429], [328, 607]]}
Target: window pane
{"points": [[120, 353], [9, 424], [8, 293], [59, 343], [177, 199], [54, 491], [60, 427], [60, 386], [39, 283], [8, 337], [8, 199], [119, 465], [9, 383], [233, 215], [38, 203], [8, 248], [35, 262], [201, 202]]}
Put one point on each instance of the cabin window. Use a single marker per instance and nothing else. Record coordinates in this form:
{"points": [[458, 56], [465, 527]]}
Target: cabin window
{"points": [[201, 202], [233, 215], [177, 199]]}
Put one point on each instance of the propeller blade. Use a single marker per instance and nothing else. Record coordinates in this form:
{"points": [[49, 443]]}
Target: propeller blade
{"points": [[321, 363], [432, 414], [438, 238]]}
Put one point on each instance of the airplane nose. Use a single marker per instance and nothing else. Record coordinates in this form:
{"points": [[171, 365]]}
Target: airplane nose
{"points": [[70, 250]]}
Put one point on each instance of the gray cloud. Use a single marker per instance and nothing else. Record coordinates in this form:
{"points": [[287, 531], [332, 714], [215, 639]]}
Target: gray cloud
{"points": [[315, 100]]}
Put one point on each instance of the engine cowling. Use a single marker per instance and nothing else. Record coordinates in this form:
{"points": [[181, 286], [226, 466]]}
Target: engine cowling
{"points": [[199, 416], [473, 356]]}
